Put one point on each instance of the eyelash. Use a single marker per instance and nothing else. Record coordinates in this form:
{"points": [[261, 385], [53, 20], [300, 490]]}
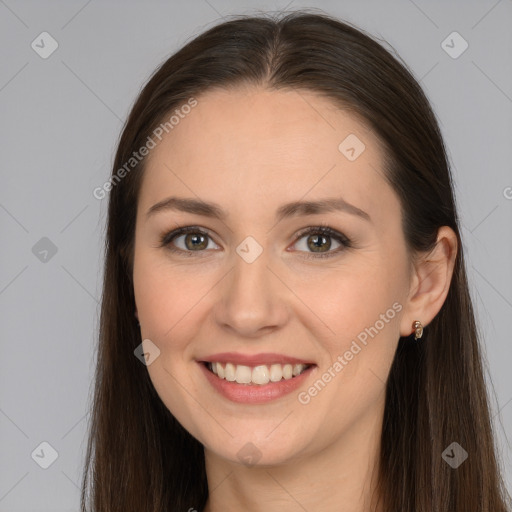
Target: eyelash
{"points": [[167, 238]]}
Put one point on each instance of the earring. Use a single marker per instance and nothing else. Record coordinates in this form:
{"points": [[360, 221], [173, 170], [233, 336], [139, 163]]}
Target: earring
{"points": [[418, 330]]}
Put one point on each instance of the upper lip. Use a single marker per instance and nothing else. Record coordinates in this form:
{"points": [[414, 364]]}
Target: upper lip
{"points": [[253, 360]]}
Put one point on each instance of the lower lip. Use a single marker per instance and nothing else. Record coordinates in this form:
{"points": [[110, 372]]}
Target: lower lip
{"points": [[255, 393]]}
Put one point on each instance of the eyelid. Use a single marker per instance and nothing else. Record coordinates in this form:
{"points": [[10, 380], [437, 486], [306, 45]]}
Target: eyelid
{"points": [[323, 229], [169, 236], [345, 242]]}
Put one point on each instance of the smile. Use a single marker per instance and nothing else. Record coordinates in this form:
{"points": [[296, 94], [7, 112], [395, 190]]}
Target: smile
{"points": [[257, 384], [256, 375]]}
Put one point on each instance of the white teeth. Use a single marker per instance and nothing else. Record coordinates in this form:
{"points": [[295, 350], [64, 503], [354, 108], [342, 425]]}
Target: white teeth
{"points": [[243, 374], [260, 375], [276, 372], [229, 372], [297, 369]]}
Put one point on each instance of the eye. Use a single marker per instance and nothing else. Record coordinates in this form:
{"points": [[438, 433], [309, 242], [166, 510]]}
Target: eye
{"points": [[318, 243], [194, 240], [317, 240]]}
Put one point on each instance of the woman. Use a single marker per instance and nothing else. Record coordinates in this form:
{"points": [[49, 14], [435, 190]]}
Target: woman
{"points": [[286, 322]]}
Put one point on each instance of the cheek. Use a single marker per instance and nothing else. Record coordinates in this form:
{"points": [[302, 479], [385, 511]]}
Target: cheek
{"points": [[361, 309], [363, 312], [349, 300], [168, 306], [166, 297]]}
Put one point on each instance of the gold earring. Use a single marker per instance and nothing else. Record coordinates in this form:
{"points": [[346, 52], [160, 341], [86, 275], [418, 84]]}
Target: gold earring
{"points": [[418, 330]]}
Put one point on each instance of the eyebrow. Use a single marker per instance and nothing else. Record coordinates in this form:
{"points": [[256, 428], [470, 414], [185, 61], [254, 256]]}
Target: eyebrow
{"points": [[293, 209]]}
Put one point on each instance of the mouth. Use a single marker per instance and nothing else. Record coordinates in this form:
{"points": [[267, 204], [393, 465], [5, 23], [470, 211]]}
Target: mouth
{"points": [[258, 375]]}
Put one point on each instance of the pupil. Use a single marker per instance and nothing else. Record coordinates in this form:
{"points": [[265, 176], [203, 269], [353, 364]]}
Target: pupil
{"points": [[317, 244], [194, 239]]}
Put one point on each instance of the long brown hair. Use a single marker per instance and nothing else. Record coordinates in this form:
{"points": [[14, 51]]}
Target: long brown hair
{"points": [[139, 458]]}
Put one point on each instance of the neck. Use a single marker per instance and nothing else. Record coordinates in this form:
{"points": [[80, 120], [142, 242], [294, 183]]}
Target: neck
{"points": [[343, 476]]}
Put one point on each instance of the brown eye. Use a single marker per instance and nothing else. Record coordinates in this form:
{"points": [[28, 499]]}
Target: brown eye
{"points": [[195, 241], [318, 242], [186, 240]]}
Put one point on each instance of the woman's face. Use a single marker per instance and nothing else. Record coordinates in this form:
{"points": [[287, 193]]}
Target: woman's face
{"points": [[251, 291]]}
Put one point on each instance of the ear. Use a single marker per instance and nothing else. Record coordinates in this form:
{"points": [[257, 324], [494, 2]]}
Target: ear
{"points": [[432, 275]]}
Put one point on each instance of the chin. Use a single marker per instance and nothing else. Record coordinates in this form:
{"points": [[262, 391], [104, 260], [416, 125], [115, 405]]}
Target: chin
{"points": [[269, 450]]}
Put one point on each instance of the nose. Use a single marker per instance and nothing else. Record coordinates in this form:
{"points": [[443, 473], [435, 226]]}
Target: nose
{"points": [[252, 299]]}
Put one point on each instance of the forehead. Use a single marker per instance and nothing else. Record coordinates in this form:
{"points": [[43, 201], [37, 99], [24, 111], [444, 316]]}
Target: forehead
{"points": [[256, 146], [271, 120]]}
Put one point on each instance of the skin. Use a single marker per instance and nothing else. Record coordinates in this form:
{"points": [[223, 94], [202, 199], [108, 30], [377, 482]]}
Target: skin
{"points": [[250, 150]]}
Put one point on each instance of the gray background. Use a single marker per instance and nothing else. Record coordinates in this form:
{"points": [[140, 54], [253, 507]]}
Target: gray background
{"points": [[60, 120]]}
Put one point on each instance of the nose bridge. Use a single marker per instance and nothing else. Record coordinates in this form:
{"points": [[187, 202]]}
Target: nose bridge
{"points": [[251, 268], [251, 277], [251, 299]]}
